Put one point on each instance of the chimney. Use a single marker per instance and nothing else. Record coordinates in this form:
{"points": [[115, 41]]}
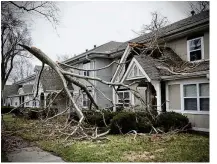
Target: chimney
{"points": [[86, 50], [94, 46], [192, 12]]}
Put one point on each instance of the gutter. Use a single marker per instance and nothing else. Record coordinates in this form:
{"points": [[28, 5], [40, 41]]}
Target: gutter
{"points": [[174, 34], [20, 95], [195, 74]]}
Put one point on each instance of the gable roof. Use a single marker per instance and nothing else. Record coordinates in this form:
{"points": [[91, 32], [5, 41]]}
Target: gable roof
{"points": [[106, 48], [27, 88], [158, 67], [50, 80], [10, 90], [173, 28]]}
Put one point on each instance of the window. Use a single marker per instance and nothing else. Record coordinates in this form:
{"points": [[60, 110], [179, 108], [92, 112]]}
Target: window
{"points": [[135, 72], [27, 103], [196, 97], [123, 98], [34, 103], [86, 66], [15, 103], [195, 49], [86, 100]]}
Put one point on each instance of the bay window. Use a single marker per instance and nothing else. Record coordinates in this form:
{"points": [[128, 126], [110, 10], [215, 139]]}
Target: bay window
{"points": [[196, 97]]}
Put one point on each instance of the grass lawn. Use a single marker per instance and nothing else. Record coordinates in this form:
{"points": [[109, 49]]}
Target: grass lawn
{"points": [[120, 148]]}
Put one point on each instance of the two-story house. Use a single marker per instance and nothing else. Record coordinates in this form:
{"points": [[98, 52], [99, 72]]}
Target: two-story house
{"points": [[179, 80]]}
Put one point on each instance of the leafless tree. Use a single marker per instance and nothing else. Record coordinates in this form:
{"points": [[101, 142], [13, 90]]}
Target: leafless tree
{"points": [[63, 57], [22, 68], [14, 29], [197, 7]]}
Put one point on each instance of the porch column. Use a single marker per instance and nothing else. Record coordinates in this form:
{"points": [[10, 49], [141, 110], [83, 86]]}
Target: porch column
{"points": [[45, 99], [114, 99], [157, 87]]}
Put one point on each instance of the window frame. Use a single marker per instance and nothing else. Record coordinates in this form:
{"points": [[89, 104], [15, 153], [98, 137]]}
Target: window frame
{"points": [[202, 49], [85, 95], [118, 99], [86, 66], [132, 72], [197, 97]]}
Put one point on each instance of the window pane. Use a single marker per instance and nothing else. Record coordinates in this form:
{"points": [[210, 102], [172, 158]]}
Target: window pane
{"points": [[204, 89], [127, 101], [140, 73], [131, 74], [204, 104], [135, 71], [190, 90], [195, 55], [120, 95], [190, 104], [195, 44], [126, 95]]}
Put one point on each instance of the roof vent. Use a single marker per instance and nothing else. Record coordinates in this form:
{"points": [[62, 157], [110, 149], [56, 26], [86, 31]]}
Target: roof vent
{"points": [[86, 50], [192, 12], [94, 46]]}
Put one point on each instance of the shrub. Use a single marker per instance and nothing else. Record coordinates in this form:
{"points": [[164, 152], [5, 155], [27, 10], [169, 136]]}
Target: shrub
{"points": [[124, 122], [36, 113], [95, 118], [6, 109], [144, 122], [171, 120]]}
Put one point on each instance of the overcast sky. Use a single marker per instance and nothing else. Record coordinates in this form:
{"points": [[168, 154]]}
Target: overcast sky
{"points": [[85, 24]]}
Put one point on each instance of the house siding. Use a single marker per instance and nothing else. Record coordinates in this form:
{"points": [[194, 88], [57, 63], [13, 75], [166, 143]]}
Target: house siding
{"points": [[105, 74], [180, 46], [199, 120], [174, 97], [174, 102]]}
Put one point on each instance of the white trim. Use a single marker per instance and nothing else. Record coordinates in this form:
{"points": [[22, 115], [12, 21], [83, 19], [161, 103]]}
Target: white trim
{"points": [[198, 96], [136, 63], [182, 82], [123, 59], [202, 49], [200, 129], [190, 112]]}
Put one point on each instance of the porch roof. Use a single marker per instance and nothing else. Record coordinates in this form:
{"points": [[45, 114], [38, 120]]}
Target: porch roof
{"points": [[169, 64]]}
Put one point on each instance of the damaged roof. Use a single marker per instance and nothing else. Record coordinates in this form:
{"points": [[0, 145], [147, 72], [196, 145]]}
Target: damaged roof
{"points": [[156, 67], [173, 28]]}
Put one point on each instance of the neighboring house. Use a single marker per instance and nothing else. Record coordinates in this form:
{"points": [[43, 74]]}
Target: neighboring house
{"points": [[95, 58], [185, 89], [25, 89]]}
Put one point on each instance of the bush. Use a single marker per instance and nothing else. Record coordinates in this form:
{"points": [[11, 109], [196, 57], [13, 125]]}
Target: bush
{"points": [[36, 113], [95, 118], [124, 122], [144, 122], [171, 120], [6, 109]]}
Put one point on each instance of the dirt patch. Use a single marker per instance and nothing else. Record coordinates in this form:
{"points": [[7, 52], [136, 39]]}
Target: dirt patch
{"points": [[14, 143], [138, 156]]}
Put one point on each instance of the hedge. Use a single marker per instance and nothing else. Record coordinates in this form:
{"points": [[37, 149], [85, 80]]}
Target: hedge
{"points": [[171, 120]]}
